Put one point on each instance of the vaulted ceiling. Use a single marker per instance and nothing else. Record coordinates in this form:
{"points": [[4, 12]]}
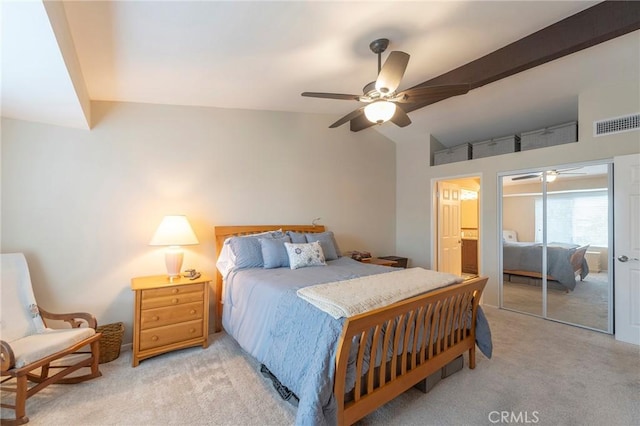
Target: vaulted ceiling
{"points": [[59, 56]]}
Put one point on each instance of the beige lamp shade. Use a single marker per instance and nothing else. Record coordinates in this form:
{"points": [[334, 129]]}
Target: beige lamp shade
{"points": [[174, 231]]}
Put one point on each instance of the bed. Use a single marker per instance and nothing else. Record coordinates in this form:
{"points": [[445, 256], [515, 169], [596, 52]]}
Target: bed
{"points": [[336, 385], [565, 261]]}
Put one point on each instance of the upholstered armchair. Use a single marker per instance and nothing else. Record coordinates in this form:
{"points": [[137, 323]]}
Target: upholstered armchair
{"points": [[33, 355]]}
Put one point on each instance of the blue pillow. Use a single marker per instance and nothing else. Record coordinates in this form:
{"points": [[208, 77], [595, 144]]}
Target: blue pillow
{"points": [[248, 252], [327, 242], [274, 253], [274, 234], [297, 237]]}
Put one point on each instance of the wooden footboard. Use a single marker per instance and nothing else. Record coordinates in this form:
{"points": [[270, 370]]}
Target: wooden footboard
{"points": [[445, 322]]}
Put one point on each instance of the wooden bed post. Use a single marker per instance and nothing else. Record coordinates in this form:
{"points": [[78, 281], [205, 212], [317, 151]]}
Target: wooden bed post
{"points": [[472, 358]]}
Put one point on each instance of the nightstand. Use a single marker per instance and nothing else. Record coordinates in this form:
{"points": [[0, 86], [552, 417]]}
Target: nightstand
{"points": [[378, 261], [169, 315], [400, 262]]}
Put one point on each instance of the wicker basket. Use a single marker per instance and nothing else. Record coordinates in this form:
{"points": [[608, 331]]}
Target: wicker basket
{"points": [[110, 341]]}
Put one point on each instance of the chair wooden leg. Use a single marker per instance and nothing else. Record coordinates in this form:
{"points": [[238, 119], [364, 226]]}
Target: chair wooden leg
{"points": [[20, 403], [95, 351], [44, 373]]}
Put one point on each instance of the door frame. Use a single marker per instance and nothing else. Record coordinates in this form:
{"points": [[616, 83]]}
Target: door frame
{"points": [[626, 301], [433, 244]]}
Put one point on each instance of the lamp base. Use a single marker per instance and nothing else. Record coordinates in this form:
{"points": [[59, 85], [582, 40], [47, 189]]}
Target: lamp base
{"points": [[173, 259]]}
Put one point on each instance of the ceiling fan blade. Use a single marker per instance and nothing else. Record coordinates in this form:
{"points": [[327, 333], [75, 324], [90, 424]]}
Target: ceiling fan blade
{"points": [[352, 115], [339, 96], [400, 118], [525, 177], [360, 123], [392, 72], [429, 93]]}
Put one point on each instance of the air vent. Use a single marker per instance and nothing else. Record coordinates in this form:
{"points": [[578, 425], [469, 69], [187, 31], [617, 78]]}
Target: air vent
{"points": [[610, 126]]}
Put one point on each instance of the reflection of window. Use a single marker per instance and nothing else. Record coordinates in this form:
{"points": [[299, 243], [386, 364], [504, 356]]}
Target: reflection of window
{"points": [[575, 217]]}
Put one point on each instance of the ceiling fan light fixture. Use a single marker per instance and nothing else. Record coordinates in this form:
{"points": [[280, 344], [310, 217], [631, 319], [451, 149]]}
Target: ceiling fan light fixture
{"points": [[380, 111], [550, 175]]}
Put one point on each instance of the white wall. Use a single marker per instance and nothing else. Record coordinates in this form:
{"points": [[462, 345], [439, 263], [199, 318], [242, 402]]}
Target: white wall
{"points": [[518, 214], [415, 177], [83, 205]]}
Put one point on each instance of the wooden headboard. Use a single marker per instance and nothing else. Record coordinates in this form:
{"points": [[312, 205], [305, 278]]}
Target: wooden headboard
{"points": [[224, 232]]}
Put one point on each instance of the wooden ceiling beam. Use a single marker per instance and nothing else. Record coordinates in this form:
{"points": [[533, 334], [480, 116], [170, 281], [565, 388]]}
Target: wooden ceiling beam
{"points": [[597, 24]]}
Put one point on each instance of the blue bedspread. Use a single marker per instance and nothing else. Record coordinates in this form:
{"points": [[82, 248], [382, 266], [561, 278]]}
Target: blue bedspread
{"points": [[296, 341]]}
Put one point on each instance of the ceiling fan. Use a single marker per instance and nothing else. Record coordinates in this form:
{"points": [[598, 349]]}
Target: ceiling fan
{"points": [[382, 99], [552, 175]]}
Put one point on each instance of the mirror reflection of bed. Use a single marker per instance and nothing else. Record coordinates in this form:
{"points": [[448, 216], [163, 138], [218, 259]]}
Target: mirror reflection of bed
{"points": [[576, 224]]}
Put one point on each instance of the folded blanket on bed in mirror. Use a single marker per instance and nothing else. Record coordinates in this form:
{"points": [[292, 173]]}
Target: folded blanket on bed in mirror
{"points": [[358, 295]]}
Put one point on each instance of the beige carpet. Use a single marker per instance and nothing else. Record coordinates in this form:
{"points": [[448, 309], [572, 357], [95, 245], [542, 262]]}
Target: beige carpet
{"points": [[566, 375], [586, 305]]}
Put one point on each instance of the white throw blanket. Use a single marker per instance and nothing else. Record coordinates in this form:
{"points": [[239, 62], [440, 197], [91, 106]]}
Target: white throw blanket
{"points": [[355, 296]]}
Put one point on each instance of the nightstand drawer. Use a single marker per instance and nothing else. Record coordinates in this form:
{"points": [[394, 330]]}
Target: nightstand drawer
{"points": [[169, 334], [170, 291], [158, 302], [158, 317]]}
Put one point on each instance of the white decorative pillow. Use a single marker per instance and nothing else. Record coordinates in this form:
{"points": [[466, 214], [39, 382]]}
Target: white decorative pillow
{"points": [[509, 236], [303, 255]]}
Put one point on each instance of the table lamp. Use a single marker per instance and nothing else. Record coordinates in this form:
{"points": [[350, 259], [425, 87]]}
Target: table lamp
{"points": [[174, 231]]}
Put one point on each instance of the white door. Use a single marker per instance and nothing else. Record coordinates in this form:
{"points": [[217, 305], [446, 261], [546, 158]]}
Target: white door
{"points": [[627, 248], [449, 241]]}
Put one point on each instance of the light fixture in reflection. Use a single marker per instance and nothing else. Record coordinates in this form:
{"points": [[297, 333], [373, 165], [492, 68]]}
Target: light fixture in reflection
{"points": [[551, 175]]}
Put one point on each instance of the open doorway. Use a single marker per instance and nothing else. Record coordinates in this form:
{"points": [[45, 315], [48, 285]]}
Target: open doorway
{"points": [[457, 225]]}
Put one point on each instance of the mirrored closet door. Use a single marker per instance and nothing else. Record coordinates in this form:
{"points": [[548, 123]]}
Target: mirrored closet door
{"points": [[556, 235]]}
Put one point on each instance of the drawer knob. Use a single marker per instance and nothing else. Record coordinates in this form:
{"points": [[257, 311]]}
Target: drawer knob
{"points": [[175, 290], [155, 318], [192, 330], [174, 301], [154, 338], [192, 312]]}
